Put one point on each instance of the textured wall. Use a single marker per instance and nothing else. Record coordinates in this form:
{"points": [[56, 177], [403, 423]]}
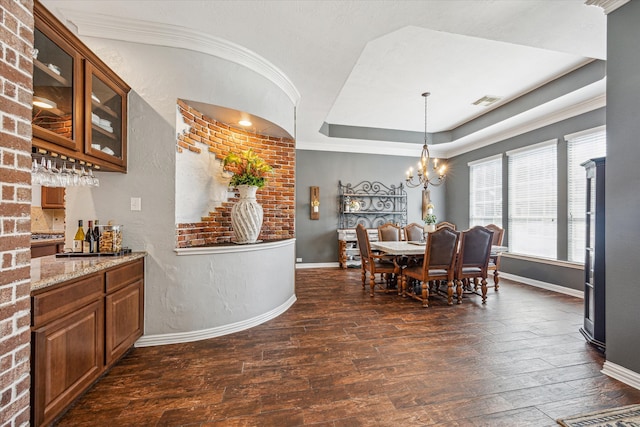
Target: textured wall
{"points": [[209, 138], [16, 43], [183, 293]]}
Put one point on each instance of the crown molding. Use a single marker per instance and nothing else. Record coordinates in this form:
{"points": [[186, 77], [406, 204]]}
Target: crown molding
{"points": [[607, 5], [441, 151], [159, 34], [566, 113], [368, 147]]}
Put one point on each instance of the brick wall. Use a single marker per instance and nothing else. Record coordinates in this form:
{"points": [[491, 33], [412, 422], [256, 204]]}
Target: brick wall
{"points": [[62, 125], [16, 42], [277, 197]]}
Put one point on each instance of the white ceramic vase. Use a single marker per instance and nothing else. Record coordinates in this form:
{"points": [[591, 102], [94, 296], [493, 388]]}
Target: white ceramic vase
{"points": [[429, 228], [246, 215]]}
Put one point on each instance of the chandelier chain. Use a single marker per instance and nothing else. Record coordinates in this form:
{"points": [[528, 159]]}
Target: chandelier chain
{"points": [[425, 158]]}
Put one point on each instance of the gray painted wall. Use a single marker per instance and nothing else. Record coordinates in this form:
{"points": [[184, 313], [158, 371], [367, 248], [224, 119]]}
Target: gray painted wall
{"points": [[457, 194], [317, 240], [622, 195]]}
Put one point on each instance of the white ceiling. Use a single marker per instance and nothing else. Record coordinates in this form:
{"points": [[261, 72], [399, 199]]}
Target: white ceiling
{"points": [[364, 64]]}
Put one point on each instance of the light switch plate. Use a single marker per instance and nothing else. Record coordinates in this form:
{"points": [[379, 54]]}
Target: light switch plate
{"points": [[136, 204]]}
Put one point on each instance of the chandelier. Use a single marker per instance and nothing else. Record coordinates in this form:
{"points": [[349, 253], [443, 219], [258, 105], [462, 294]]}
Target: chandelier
{"points": [[422, 173]]}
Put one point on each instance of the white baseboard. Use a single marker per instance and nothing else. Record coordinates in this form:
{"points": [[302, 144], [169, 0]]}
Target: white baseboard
{"points": [[621, 374], [317, 265], [181, 337], [544, 285]]}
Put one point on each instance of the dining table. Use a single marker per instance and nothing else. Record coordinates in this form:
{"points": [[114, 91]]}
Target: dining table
{"points": [[402, 247], [414, 248]]}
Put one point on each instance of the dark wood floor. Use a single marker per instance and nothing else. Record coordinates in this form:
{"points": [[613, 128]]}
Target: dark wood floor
{"points": [[341, 358]]}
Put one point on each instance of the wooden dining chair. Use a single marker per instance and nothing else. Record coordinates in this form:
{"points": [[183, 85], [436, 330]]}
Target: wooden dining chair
{"points": [[373, 263], [445, 224], [414, 232], [389, 232], [473, 260], [494, 259], [437, 265]]}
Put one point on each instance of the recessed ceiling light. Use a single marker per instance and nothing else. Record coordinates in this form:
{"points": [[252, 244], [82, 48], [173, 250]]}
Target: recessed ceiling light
{"points": [[244, 122], [487, 100], [43, 102]]}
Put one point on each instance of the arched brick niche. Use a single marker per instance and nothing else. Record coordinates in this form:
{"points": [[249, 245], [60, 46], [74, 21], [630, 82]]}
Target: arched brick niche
{"points": [[208, 137]]}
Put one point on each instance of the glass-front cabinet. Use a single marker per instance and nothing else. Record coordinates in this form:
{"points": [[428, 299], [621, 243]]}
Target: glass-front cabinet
{"points": [[105, 123], [593, 327], [56, 90], [79, 104]]}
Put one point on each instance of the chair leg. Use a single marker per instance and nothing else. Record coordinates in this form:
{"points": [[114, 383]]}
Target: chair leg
{"points": [[372, 283], [363, 274], [484, 290], [425, 294], [496, 279], [458, 290], [450, 293]]}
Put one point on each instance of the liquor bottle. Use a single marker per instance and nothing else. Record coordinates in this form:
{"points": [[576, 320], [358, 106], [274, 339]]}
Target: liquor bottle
{"points": [[96, 235], [89, 242], [78, 239]]}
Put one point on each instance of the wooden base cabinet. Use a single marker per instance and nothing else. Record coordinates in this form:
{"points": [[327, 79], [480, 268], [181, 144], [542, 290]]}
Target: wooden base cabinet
{"points": [[124, 305], [69, 357], [80, 329]]}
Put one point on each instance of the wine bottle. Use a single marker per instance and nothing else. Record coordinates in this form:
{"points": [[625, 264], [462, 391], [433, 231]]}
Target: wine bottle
{"points": [[96, 235], [89, 240], [78, 239]]}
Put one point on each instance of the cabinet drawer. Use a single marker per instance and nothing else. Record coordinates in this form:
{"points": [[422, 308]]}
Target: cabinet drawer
{"points": [[123, 275], [55, 303]]}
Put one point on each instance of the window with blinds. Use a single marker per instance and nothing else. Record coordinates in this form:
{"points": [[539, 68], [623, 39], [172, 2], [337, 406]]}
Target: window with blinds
{"points": [[485, 191], [581, 147], [533, 200]]}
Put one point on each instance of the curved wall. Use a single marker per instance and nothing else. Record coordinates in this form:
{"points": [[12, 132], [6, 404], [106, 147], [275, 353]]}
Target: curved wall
{"points": [[183, 293]]}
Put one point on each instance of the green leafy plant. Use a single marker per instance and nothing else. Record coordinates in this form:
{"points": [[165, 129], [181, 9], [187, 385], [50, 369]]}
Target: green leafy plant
{"points": [[430, 219], [247, 168]]}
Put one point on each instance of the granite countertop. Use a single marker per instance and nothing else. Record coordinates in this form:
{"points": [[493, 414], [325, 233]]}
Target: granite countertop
{"points": [[49, 270]]}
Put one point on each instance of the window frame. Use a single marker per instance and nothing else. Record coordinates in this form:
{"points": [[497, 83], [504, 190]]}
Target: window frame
{"points": [[533, 216], [496, 219]]}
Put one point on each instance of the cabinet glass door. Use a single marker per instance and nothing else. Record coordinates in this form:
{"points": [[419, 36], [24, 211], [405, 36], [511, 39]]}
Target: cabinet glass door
{"points": [[54, 116], [106, 118]]}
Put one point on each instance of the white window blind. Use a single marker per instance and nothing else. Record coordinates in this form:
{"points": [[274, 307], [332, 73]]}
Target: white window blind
{"points": [[580, 148], [485, 188], [533, 200]]}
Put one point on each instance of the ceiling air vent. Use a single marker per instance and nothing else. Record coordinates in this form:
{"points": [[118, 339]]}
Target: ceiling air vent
{"points": [[487, 100]]}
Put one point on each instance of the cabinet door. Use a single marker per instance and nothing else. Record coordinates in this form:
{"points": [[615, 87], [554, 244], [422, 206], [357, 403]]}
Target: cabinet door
{"points": [[124, 317], [68, 357], [106, 117], [52, 198], [57, 88]]}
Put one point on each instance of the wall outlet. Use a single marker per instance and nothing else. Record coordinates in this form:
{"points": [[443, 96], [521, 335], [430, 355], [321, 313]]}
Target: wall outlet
{"points": [[136, 204], [298, 259]]}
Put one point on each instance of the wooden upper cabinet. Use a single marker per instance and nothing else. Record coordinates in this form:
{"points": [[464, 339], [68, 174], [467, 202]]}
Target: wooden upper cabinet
{"points": [[106, 117], [80, 104], [57, 89], [52, 198]]}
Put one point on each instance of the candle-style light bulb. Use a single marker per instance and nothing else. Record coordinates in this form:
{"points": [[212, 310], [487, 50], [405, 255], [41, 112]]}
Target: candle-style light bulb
{"points": [[435, 163]]}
